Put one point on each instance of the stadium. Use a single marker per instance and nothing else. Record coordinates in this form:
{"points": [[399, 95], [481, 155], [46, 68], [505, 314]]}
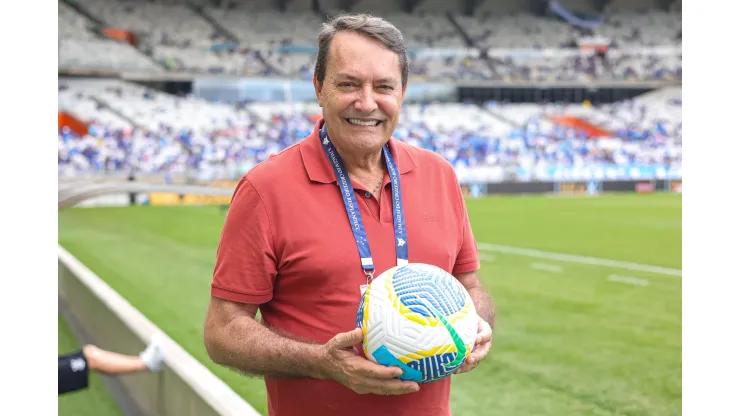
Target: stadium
{"points": [[562, 120]]}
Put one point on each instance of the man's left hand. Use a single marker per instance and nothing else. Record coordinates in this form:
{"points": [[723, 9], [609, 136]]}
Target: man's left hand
{"points": [[480, 349]]}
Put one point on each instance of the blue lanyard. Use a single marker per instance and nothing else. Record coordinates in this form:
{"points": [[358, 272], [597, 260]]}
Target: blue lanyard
{"points": [[353, 209]]}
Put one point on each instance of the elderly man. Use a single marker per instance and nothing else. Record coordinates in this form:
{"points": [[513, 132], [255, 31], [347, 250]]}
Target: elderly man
{"points": [[289, 248]]}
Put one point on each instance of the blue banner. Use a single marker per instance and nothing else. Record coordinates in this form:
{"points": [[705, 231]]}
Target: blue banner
{"points": [[600, 172], [226, 46]]}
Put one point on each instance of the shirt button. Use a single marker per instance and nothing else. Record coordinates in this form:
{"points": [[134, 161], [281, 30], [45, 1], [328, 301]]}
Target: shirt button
{"points": [[368, 194]]}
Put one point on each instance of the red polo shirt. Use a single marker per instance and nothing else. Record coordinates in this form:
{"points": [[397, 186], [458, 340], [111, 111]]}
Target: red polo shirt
{"points": [[287, 246]]}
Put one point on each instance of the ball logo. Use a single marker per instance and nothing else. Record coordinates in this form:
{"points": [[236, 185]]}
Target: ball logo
{"points": [[77, 364]]}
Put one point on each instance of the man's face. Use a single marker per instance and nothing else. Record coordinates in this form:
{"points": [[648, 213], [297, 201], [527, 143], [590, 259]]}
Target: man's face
{"points": [[362, 93]]}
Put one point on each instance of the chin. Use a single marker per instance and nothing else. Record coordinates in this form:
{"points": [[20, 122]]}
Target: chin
{"points": [[364, 142]]}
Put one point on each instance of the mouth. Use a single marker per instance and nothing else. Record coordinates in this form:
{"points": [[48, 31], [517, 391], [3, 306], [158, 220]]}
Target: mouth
{"points": [[362, 122]]}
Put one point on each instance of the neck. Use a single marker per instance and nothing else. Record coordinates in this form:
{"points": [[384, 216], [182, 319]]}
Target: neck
{"points": [[363, 163]]}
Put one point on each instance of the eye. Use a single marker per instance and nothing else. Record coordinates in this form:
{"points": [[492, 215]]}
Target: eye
{"points": [[386, 87], [345, 84]]}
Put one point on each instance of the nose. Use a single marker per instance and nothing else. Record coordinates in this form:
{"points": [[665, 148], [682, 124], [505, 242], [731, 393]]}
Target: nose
{"points": [[365, 102]]}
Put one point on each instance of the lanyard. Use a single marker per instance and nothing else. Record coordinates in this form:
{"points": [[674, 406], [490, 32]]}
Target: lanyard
{"points": [[353, 209]]}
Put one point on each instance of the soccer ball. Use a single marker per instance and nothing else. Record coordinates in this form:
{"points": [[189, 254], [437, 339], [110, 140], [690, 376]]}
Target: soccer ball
{"points": [[420, 318]]}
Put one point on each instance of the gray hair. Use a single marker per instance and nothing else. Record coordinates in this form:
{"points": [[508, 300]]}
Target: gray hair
{"points": [[365, 24]]}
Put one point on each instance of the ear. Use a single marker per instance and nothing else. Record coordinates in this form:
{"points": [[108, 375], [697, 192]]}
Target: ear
{"points": [[403, 92], [317, 86]]}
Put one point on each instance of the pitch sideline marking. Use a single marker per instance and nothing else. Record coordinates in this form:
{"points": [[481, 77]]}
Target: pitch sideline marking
{"points": [[487, 257], [546, 267], [573, 258], [627, 279]]}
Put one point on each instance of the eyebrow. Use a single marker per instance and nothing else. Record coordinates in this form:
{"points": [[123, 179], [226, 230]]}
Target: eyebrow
{"points": [[351, 77]]}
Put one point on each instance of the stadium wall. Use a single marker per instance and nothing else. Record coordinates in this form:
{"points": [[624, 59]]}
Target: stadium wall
{"points": [[476, 189], [571, 187]]}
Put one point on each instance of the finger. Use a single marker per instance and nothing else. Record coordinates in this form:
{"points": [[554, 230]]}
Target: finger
{"points": [[469, 364], [370, 369], [348, 339], [480, 353], [391, 387], [485, 333], [465, 368]]}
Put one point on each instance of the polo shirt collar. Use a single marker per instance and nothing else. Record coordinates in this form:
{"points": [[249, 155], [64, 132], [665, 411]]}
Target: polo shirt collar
{"points": [[319, 169]]}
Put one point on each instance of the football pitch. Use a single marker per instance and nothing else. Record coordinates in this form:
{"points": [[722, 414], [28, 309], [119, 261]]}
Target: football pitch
{"points": [[584, 326]]}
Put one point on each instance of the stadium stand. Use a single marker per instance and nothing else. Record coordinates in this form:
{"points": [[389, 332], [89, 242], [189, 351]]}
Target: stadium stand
{"points": [[133, 127], [162, 23], [651, 28], [516, 31], [508, 41], [427, 30], [80, 46], [180, 133], [72, 25], [265, 28]]}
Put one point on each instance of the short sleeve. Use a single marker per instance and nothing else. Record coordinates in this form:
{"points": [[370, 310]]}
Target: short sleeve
{"points": [[246, 264], [467, 256]]}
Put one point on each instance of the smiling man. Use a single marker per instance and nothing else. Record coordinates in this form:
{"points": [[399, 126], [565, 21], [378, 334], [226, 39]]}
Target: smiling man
{"points": [[309, 226]]}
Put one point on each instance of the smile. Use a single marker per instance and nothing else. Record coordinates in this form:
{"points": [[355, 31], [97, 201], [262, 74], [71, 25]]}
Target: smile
{"points": [[365, 123]]}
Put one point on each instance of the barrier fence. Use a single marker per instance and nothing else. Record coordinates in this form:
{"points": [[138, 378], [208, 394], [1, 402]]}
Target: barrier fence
{"points": [[97, 314]]}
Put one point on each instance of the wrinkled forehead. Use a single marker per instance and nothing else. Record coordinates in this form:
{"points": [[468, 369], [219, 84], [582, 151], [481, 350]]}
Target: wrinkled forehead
{"points": [[362, 57]]}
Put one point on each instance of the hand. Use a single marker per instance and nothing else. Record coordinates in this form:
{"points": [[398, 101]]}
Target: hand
{"points": [[480, 349], [342, 363]]}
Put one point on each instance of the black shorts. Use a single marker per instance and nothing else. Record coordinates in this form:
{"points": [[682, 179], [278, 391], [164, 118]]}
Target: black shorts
{"points": [[73, 372]]}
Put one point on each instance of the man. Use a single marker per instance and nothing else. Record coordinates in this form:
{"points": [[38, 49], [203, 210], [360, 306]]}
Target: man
{"points": [[287, 246], [75, 367]]}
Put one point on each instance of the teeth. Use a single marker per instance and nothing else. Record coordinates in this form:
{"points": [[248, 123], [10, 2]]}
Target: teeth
{"points": [[363, 123]]}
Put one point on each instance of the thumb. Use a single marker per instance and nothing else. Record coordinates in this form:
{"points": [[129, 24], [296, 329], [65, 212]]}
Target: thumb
{"points": [[348, 339]]}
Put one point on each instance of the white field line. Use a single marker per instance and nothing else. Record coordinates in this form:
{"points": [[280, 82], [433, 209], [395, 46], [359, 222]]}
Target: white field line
{"points": [[486, 257], [546, 267], [596, 261], [628, 279]]}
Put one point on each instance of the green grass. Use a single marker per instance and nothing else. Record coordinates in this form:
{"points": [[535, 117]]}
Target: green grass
{"points": [[567, 343], [93, 401]]}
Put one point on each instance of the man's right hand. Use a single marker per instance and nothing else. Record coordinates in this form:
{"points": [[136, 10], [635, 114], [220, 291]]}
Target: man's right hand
{"points": [[341, 363]]}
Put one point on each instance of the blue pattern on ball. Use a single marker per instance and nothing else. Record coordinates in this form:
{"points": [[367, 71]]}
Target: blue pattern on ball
{"points": [[435, 286], [435, 367]]}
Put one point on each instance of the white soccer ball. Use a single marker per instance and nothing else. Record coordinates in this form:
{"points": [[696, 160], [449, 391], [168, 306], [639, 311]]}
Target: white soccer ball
{"points": [[420, 318]]}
